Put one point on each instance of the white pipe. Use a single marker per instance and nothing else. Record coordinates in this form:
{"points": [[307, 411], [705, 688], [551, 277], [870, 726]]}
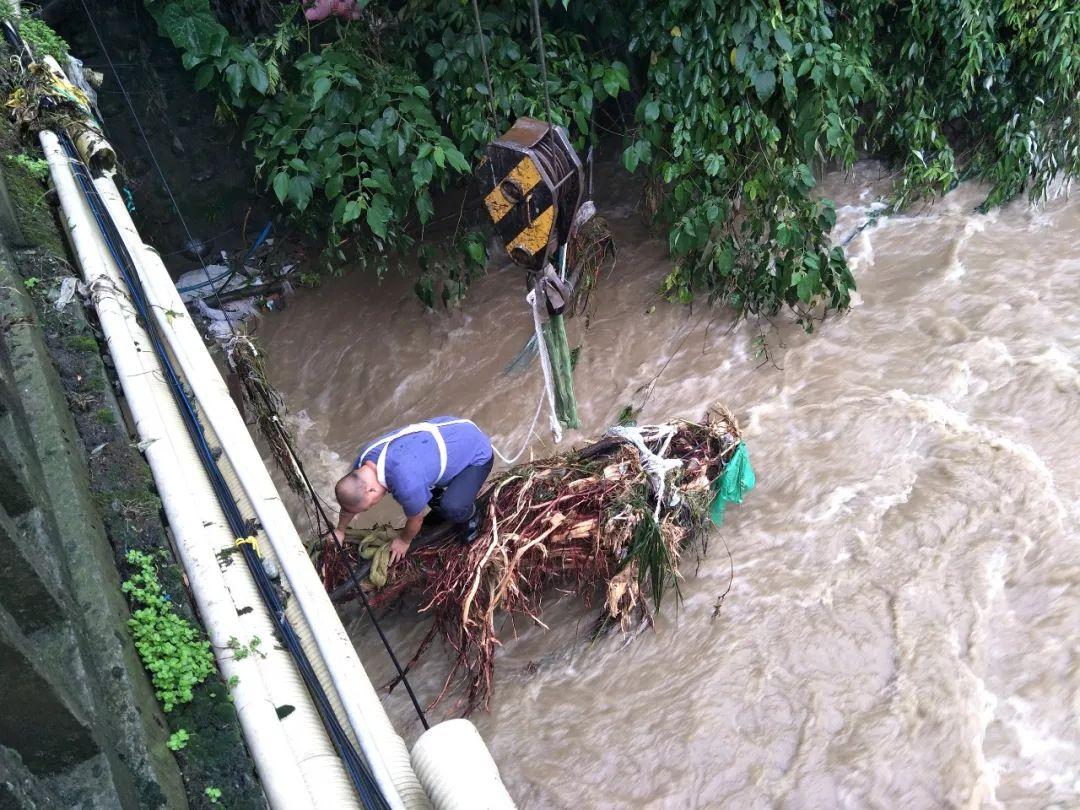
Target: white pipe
{"points": [[457, 769], [385, 751], [173, 462]]}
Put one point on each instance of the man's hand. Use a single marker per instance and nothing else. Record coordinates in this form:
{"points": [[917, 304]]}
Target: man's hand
{"points": [[399, 547], [338, 535]]}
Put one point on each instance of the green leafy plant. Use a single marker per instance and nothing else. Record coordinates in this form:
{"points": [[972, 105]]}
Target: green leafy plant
{"points": [[171, 649], [42, 39], [242, 651], [213, 794], [31, 283], [355, 136], [35, 167], [178, 739], [736, 108]]}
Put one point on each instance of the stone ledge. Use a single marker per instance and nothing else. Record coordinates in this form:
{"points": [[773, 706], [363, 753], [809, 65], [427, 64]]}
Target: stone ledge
{"points": [[121, 710]]}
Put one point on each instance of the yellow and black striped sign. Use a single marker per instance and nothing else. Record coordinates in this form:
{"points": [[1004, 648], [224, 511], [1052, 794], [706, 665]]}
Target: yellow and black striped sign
{"points": [[520, 196]]}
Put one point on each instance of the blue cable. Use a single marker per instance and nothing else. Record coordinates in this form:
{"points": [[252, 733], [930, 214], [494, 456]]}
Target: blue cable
{"points": [[368, 790]]}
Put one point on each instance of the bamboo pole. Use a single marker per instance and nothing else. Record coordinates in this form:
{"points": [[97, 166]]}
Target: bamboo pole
{"points": [[563, 372]]}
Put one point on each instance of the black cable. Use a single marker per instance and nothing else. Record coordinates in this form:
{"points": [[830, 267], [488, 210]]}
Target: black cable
{"points": [[366, 787], [320, 512], [228, 320], [543, 60], [153, 157], [358, 586]]}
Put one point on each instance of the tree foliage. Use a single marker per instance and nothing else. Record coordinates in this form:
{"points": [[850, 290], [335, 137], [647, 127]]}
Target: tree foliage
{"points": [[728, 109]]}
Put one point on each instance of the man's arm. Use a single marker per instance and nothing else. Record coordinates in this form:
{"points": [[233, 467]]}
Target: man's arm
{"points": [[343, 521], [400, 545]]}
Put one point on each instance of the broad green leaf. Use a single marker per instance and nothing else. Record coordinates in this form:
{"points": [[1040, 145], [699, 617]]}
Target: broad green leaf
{"points": [[611, 82], [457, 160], [281, 186], [424, 207], [477, 251], [300, 191], [234, 77], [204, 76], [258, 77], [422, 172], [652, 112], [764, 84], [378, 215], [351, 212], [321, 88]]}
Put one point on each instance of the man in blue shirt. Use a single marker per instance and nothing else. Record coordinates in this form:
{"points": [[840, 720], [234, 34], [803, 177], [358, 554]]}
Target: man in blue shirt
{"points": [[442, 463]]}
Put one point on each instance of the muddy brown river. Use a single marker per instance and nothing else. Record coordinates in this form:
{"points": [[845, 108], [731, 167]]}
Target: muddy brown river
{"points": [[903, 629]]}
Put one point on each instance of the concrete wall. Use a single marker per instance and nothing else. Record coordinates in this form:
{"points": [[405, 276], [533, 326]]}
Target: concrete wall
{"points": [[79, 724]]}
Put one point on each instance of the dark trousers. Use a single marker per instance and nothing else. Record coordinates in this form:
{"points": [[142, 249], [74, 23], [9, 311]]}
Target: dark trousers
{"points": [[455, 503]]}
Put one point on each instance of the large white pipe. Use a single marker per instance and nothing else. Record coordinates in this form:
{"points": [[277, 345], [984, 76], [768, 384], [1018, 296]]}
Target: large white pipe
{"points": [[175, 466], [457, 769], [385, 751]]}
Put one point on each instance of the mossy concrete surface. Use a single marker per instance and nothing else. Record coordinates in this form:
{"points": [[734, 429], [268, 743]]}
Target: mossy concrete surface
{"points": [[72, 687], [68, 375]]}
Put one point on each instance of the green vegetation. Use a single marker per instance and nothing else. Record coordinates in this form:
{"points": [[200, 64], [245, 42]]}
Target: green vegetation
{"points": [[734, 108], [213, 794], [105, 416], [178, 739], [37, 34], [170, 647], [83, 343], [31, 283], [38, 168], [242, 651]]}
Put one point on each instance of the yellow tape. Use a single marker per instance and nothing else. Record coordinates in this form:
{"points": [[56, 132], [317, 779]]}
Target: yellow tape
{"points": [[250, 541]]}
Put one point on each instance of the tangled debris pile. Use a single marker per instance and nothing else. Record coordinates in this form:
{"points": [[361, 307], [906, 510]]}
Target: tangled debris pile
{"points": [[590, 521]]}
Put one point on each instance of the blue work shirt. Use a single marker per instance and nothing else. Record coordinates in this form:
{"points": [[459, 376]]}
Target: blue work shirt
{"points": [[412, 461]]}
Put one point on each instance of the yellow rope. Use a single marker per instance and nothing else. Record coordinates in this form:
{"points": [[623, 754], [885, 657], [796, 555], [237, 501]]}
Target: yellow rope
{"points": [[252, 541]]}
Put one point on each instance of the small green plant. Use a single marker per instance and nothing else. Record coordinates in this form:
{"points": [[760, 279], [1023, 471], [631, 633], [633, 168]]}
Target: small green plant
{"points": [[35, 167], [43, 40], [105, 416], [31, 283], [170, 647], [178, 739], [213, 794], [234, 681], [242, 651]]}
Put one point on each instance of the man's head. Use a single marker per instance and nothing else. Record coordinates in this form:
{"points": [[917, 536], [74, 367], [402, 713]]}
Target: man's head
{"points": [[359, 490]]}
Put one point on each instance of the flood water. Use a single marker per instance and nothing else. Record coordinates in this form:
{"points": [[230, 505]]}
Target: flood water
{"points": [[903, 629]]}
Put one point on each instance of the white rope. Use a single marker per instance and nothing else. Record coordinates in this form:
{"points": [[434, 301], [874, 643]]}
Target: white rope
{"points": [[548, 392], [528, 436], [655, 465]]}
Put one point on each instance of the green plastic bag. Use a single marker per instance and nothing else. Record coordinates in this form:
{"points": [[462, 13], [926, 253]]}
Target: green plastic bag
{"points": [[737, 479]]}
